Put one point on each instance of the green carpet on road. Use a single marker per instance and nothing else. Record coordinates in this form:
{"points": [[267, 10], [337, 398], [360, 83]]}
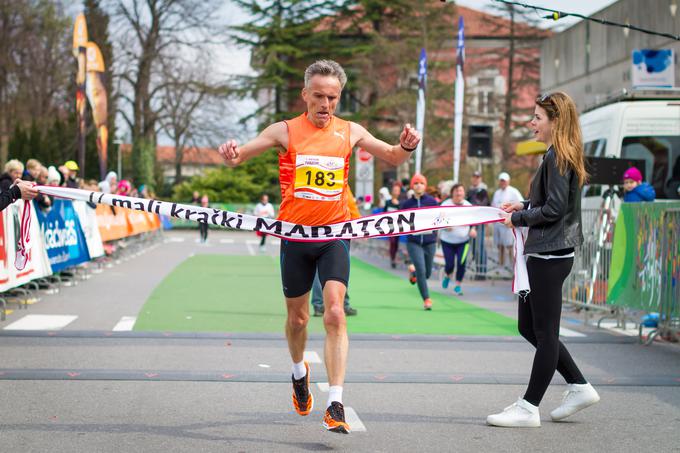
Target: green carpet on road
{"points": [[219, 293]]}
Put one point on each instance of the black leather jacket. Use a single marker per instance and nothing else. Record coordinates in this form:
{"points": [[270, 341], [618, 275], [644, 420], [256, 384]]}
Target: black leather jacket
{"points": [[554, 219]]}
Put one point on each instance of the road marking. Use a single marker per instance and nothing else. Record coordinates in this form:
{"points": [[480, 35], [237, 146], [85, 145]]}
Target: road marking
{"points": [[173, 239], [42, 322], [126, 323], [353, 420], [570, 333], [311, 357], [226, 241], [323, 386]]}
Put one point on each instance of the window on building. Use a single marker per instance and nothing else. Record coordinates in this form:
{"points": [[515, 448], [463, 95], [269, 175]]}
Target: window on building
{"points": [[485, 103]]}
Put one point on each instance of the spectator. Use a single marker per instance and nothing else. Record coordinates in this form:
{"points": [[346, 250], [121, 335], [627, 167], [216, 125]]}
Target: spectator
{"points": [[13, 171], [634, 189], [454, 242], [477, 193], [32, 170], [196, 197], [43, 201], [110, 183], [421, 246], [20, 189], [392, 204], [502, 235], [53, 176], [264, 209], [124, 187], [383, 196], [143, 191], [70, 174], [203, 226], [434, 193]]}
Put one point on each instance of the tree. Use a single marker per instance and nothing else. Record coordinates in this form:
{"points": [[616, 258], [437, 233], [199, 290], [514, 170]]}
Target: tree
{"points": [[285, 36], [148, 31], [35, 67], [520, 56]]}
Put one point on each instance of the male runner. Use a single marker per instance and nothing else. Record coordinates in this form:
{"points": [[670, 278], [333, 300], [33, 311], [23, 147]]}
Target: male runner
{"points": [[314, 152]]}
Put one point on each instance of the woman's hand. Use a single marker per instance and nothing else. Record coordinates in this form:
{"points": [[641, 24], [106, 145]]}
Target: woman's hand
{"points": [[507, 219], [512, 207]]}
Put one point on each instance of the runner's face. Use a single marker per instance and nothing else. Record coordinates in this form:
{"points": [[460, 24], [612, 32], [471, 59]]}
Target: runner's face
{"points": [[322, 97]]}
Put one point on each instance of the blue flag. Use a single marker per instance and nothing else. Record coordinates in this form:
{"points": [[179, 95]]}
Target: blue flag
{"points": [[460, 51], [422, 70]]}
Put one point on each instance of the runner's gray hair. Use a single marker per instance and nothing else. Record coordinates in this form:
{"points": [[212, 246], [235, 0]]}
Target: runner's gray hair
{"points": [[325, 68]]}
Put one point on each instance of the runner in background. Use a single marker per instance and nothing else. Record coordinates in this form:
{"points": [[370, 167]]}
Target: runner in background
{"points": [[264, 209], [391, 205], [455, 242], [202, 226]]}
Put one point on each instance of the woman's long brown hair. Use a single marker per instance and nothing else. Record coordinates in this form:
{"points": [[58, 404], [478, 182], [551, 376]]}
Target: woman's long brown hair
{"points": [[566, 133]]}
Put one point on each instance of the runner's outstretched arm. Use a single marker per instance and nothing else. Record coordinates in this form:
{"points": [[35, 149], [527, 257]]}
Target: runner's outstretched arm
{"points": [[275, 135], [394, 154]]}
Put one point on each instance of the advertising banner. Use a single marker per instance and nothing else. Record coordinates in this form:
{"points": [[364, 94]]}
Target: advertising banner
{"points": [[63, 236], [88, 222], [37, 264], [653, 68]]}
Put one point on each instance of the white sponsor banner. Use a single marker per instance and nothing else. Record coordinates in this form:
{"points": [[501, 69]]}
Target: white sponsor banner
{"points": [[88, 222], [37, 264]]}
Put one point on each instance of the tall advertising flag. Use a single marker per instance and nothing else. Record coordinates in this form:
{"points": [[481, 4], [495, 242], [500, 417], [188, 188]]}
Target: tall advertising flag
{"points": [[79, 46], [459, 98], [96, 94], [420, 106]]}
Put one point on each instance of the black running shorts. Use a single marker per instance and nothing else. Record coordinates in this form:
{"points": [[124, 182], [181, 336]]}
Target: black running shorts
{"points": [[300, 260]]}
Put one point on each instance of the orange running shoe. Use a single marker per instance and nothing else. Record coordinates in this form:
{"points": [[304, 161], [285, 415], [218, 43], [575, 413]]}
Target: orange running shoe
{"points": [[303, 401], [412, 274], [427, 304], [334, 420]]}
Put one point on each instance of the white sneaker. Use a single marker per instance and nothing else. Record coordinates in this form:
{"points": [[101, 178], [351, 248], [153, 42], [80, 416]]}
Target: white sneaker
{"points": [[520, 414], [576, 398], [263, 249]]}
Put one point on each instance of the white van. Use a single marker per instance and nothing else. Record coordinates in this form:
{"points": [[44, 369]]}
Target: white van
{"points": [[643, 128]]}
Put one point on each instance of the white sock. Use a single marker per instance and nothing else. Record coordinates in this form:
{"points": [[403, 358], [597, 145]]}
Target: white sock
{"points": [[299, 370], [334, 394]]}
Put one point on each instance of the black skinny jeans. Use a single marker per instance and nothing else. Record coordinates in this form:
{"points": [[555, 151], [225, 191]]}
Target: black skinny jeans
{"points": [[539, 323]]}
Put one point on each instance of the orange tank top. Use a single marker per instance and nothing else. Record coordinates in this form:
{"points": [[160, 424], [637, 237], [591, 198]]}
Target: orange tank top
{"points": [[313, 172]]}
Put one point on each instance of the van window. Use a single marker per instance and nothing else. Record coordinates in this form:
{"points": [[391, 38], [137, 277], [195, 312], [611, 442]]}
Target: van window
{"points": [[595, 148], [662, 161]]}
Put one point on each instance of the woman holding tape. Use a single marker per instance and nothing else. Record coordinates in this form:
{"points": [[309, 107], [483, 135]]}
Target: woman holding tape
{"points": [[553, 215]]}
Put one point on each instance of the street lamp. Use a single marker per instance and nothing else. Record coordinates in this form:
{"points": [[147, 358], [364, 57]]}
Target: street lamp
{"points": [[674, 8]]}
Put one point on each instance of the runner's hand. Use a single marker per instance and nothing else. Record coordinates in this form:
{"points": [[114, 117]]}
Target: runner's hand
{"points": [[511, 207], [409, 137], [229, 152], [28, 191]]}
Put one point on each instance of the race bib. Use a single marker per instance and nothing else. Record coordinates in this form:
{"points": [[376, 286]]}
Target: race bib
{"points": [[319, 178]]}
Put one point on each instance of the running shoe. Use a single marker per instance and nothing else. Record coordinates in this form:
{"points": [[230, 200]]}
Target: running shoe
{"points": [[412, 274], [458, 290], [445, 281], [334, 420], [303, 401], [427, 304]]}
